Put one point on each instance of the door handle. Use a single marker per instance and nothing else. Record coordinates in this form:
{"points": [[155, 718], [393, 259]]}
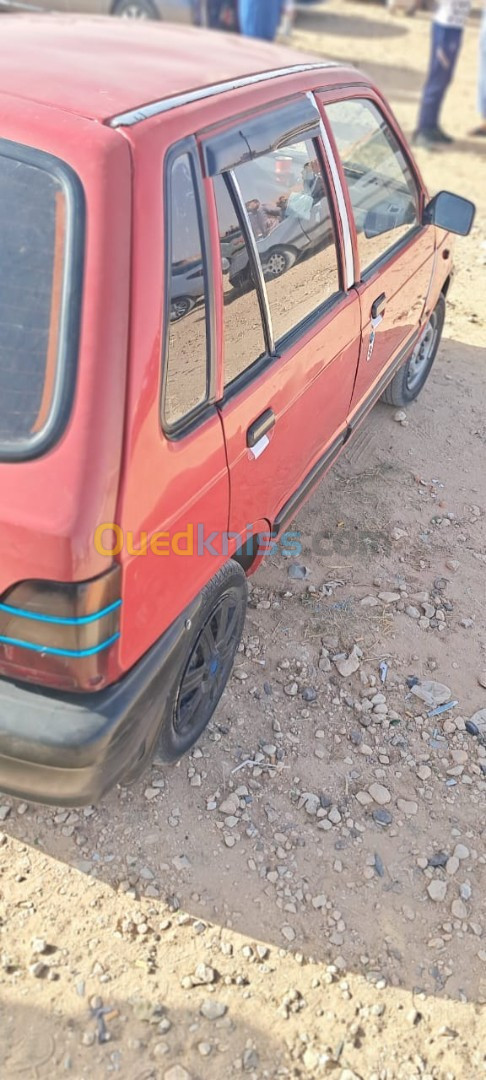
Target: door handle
{"points": [[260, 427], [378, 308]]}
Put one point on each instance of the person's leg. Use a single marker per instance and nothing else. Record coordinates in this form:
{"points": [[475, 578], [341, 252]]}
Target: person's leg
{"points": [[482, 77], [260, 18], [446, 42]]}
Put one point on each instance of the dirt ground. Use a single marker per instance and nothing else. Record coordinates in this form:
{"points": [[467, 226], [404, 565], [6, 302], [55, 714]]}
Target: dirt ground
{"points": [[320, 910]]}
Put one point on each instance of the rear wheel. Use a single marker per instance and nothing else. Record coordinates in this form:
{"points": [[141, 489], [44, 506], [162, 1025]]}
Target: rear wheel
{"points": [[214, 639], [412, 376], [135, 9], [277, 262]]}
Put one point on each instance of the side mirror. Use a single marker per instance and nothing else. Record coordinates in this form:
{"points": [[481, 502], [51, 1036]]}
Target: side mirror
{"points": [[450, 212]]}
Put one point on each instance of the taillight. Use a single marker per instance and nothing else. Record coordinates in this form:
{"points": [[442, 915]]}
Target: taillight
{"points": [[60, 634]]}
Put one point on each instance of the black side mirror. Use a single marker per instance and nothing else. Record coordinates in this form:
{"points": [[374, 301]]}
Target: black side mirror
{"points": [[450, 212]]}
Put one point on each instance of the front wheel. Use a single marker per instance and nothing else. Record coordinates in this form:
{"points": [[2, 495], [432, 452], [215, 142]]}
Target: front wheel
{"points": [[214, 639], [412, 376]]}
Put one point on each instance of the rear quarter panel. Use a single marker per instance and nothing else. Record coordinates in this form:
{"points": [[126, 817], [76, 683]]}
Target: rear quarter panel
{"points": [[50, 506]]}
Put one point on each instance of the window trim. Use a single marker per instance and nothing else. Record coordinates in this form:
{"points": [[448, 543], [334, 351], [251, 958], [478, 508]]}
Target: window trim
{"points": [[200, 413], [403, 241], [36, 445]]}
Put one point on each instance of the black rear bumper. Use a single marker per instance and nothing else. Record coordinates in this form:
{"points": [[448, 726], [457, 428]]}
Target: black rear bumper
{"points": [[70, 749]]}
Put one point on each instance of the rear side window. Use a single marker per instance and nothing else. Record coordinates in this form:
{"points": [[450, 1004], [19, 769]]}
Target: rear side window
{"points": [[382, 189], [41, 236], [186, 384], [290, 216]]}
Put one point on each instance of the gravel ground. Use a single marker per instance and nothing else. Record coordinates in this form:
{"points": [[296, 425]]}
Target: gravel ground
{"points": [[303, 896]]}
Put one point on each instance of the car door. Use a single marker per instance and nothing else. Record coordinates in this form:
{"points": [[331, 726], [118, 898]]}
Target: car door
{"points": [[394, 251], [290, 323]]}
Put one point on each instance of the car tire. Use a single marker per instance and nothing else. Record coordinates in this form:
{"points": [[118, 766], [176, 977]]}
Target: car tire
{"points": [[277, 261], [412, 376], [135, 9], [208, 661], [180, 307]]}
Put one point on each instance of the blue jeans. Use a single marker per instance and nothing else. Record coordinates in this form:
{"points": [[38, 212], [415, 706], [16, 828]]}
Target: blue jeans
{"points": [[260, 18], [445, 46]]}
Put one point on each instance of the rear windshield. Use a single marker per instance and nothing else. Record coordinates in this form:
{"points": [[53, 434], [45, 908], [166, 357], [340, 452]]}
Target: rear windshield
{"points": [[40, 213]]}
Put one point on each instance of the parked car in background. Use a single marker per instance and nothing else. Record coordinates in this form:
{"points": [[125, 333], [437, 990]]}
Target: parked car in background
{"points": [[171, 392], [184, 11]]}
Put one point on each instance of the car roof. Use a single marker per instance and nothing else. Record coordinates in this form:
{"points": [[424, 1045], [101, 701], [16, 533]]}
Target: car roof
{"points": [[101, 67]]}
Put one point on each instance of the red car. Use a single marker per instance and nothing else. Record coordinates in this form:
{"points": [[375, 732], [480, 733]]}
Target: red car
{"points": [[215, 256]]}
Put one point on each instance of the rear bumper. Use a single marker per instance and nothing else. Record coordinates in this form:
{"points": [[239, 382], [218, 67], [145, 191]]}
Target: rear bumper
{"points": [[69, 750]]}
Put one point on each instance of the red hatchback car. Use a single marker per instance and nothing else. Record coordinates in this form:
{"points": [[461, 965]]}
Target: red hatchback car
{"points": [[204, 287]]}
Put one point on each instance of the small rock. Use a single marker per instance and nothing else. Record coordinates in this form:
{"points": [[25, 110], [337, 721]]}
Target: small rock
{"points": [[379, 794], [389, 597], [382, 816], [203, 975], [452, 865], [423, 772], [213, 1010], [437, 890], [479, 722], [407, 806], [177, 1072], [412, 611], [438, 859], [461, 852], [39, 946], [400, 416], [298, 572], [4, 812], [38, 969], [251, 1060], [398, 534], [459, 910], [288, 932], [482, 678], [230, 805], [349, 664]]}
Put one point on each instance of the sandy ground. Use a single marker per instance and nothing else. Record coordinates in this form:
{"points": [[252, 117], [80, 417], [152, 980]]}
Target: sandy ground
{"points": [[320, 912]]}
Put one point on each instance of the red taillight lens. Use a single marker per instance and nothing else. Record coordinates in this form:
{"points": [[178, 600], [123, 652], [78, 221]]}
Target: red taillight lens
{"points": [[60, 634]]}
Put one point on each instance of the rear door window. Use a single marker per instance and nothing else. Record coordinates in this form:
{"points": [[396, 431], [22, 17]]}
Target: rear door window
{"points": [[382, 188], [286, 201], [41, 224]]}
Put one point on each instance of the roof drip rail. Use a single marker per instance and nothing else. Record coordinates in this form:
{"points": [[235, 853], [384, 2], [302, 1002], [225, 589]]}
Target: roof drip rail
{"points": [[156, 108]]}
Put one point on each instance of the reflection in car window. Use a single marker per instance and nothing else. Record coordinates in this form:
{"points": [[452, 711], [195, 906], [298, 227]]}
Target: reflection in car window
{"points": [[186, 384], [381, 186], [243, 332], [289, 212], [32, 268]]}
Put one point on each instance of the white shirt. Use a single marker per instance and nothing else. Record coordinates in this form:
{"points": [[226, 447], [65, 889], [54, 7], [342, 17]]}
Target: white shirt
{"points": [[452, 13]]}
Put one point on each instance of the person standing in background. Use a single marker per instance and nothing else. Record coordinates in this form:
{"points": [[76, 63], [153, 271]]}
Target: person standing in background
{"points": [[447, 32], [260, 18], [481, 130]]}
